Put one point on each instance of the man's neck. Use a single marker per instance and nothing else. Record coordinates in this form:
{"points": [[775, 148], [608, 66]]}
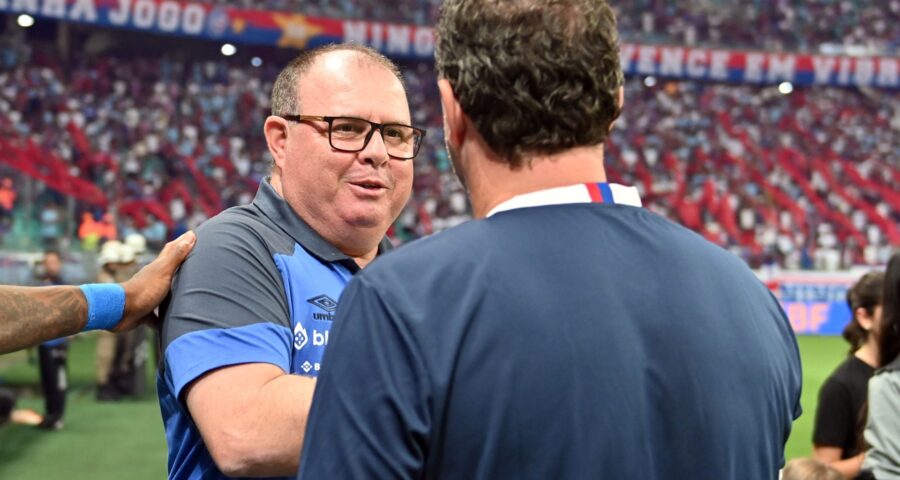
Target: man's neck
{"points": [[333, 236], [491, 181], [366, 259]]}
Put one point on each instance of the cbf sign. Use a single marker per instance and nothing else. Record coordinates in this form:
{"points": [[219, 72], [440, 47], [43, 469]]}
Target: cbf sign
{"points": [[815, 302], [204, 20]]}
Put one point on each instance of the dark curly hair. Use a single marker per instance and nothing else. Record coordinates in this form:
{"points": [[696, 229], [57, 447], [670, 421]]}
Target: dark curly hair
{"points": [[535, 76], [866, 294]]}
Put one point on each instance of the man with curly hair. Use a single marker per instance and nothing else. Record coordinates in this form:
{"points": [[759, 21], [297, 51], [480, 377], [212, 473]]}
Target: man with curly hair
{"points": [[567, 333]]}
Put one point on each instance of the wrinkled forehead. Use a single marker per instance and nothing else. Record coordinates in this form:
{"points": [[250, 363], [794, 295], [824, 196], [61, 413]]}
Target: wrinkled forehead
{"points": [[348, 83]]}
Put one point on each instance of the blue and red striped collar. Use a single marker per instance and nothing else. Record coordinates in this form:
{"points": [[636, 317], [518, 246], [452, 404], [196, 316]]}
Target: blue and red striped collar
{"points": [[612, 193]]}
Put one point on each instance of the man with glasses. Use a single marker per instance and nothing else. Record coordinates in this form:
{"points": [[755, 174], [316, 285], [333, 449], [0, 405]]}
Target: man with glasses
{"points": [[252, 308], [567, 333]]}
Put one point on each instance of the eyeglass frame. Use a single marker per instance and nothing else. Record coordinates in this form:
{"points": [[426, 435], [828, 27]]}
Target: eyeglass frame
{"points": [[373, 127]]}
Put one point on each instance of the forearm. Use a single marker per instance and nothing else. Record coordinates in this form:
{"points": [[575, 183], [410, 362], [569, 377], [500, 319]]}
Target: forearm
{"points": [[849, 467], [265, 436], [31, 315]]}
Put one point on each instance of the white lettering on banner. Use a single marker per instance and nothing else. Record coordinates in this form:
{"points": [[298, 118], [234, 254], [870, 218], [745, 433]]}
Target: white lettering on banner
{"points": [[377, 36], [671, 61], [423, 44], [355, 32], [782, 67], [844, 71], [865, 71], [888, 73], [193, 20], [646, 60], [83, 11], [398, 40], [28, 6], [696, 60], [144, 13], [54, 8], [753, 70], [168, 16], [120, 17], [718, 65], [823, 67], [627, 52]]}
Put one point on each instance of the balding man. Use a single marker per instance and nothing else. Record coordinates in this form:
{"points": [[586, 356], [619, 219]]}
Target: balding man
{"points": [[252, 307]]}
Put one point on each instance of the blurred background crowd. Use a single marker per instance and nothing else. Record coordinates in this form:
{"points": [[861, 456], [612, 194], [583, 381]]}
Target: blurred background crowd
{"points": [[114, 141], [101, 147]]}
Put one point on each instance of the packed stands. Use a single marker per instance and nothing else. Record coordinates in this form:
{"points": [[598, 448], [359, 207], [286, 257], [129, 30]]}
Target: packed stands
{"points": [[105, 145], [787, 25], [795, 180]]}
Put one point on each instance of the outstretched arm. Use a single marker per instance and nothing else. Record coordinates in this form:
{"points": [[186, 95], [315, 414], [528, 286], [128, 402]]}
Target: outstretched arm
{"points": [[30, 315]]}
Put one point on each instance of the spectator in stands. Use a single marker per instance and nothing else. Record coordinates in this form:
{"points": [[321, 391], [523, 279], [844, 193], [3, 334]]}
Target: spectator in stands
{"points": [[882, 432], [840, 416]]}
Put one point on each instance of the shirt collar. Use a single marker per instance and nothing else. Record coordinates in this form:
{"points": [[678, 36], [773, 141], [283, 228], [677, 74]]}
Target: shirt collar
{"points": [[281, 214], [611, 193]]}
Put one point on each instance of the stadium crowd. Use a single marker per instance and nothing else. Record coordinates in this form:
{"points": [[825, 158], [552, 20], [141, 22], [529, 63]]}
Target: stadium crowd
{"points": [[788, 25], [156, 146], [803, 180]]}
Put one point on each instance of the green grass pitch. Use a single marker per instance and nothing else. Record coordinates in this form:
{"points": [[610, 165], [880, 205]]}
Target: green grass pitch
{"points": [[126, 440]]}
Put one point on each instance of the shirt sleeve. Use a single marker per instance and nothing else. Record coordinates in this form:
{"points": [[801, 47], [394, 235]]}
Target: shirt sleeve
{"points": [[833, 421], [369, 417], [883, 427], [227, 306]]}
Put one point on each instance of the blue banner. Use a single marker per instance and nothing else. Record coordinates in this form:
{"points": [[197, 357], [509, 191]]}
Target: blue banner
{"points": [[759, 67]]}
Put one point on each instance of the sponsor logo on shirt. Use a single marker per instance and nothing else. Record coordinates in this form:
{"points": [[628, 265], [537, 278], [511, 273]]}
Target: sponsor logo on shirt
{"points": [[300, 337], [325, 303]]}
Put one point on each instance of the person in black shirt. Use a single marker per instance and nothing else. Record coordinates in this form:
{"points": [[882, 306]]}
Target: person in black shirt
{"points": [[839, 416]]}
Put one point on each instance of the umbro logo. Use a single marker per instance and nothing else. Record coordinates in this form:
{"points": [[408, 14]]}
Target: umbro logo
{"points": [[324, 302]]}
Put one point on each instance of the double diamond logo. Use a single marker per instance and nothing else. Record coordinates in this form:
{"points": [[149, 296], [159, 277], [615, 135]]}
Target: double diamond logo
{"points": [[324, 302]]}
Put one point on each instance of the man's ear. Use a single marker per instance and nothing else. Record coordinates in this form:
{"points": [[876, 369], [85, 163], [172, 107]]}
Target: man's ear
{"points": [[454, 118], [276, 131], [621, 103]]}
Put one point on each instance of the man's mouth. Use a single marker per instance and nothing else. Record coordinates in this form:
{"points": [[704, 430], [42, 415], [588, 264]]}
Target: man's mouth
{"points": [[369, 184]]}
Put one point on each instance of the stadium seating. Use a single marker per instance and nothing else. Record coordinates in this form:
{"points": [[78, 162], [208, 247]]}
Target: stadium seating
{"points": [[809, 179], [790, 25]]}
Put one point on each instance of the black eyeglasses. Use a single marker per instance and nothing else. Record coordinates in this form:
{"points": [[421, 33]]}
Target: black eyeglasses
{"points": [[351, 134]]}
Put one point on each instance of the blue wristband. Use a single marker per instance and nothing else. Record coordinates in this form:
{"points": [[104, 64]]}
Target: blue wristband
{"points": [[106, 303]]}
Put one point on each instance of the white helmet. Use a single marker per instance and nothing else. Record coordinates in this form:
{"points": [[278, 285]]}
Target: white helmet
{"points": [[110, 252], [126, 254], [137, 242]]}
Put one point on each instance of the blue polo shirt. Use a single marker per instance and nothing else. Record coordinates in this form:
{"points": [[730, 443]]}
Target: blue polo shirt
{"points": [[260, 286], [571, 335]]}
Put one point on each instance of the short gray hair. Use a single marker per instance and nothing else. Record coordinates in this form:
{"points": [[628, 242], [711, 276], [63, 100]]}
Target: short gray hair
{"points": [[285, 98]]}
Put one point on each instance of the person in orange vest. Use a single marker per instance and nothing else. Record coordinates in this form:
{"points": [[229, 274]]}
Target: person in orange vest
{"points": [[89, 231], [7, 202]]}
